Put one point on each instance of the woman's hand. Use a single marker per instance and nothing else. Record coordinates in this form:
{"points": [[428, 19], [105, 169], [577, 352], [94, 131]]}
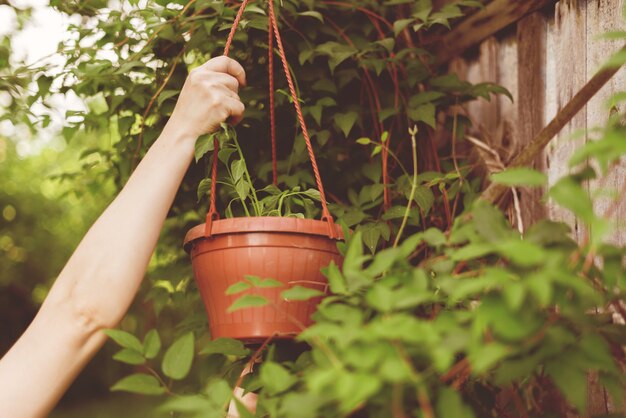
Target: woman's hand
{"points": [[209, 97]]}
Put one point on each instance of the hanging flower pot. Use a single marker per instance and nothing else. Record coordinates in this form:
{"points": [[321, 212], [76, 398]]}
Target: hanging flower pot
{"points": [[291, 251]]}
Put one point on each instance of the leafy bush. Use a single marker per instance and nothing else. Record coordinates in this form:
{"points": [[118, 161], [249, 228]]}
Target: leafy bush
{"points": [[440, 308]]}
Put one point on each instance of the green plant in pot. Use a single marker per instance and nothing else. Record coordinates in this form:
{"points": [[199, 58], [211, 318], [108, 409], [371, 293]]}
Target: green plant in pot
{"points": [[272, 257]]}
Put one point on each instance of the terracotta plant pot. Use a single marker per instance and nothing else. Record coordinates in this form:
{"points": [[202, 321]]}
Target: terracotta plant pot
{"points": [[290, 250]]}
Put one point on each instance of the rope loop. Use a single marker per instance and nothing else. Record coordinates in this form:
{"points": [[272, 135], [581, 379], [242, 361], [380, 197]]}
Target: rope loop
{"points": [[274, 34]]}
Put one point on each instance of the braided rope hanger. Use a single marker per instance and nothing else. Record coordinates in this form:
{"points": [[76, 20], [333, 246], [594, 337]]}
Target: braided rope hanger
{"points": [[273, 33]]}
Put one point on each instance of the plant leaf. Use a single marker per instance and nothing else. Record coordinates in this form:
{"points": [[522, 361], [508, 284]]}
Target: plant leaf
{"points": [[226, 346], [124, 339], [519, 176], [248, 301], [300, 293], [179, 357], [151, 344], [139, 383]]}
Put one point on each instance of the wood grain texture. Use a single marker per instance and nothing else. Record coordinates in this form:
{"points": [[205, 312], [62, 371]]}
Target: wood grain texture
{"points": [[497, 15], [531, 76], [604, 16], [568, 55]]}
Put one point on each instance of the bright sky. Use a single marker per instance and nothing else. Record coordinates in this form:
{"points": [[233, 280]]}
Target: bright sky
{"points": [[38, 40]]}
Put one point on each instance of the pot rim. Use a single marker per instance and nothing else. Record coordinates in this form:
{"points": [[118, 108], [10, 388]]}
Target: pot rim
{"points": [[247, 224]]}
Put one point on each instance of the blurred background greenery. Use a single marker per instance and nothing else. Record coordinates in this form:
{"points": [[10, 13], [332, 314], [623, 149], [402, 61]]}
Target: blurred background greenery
{"points": [[47, 203]]}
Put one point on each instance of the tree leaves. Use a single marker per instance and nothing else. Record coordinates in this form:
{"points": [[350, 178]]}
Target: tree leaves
{"points": [[519, 176], [179, 357], [346, 121], [125, 339], [248, 301], [226, 346], [151, 344], [139, 383], [300, 293], [276, 378], [204, 144]]}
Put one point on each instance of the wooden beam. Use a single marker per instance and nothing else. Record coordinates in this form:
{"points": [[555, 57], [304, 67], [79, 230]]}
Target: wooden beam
{"points": [[531, 94], [497, 15]]}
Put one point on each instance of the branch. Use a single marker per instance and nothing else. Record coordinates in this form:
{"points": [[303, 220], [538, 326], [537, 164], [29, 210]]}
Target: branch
{"points": [[495, 192]]}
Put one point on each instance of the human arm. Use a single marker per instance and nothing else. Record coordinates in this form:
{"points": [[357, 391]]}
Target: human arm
{"points": [[97, 285]]}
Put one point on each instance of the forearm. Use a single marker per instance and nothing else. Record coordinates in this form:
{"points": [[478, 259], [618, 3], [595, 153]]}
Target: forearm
{"points": [[99, 282], [102, 276], [97, 285]]}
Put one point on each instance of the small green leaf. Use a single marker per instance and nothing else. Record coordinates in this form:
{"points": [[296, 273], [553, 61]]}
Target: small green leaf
{"points": [[238, 287], [151, 344], [276, 378], [423, 113], [226, 346], [346, 121], [124, 339], [336, 281], [203, 145], [380, 297], [450, 404], [139, 383], [434, 237], [570, 380], [129, 356], [166, 94], [179, 357], [300, 293], [314, 14], [399, 25], [237, 169], [569, 194], [204, 188], [97, 104], [248, 301], [424, 198], [363, 141], [270, 283], [520, 176], [243, 189]]}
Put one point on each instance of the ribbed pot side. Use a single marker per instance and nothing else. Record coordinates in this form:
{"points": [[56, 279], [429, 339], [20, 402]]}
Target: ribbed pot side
{"points": [[293, 258]]}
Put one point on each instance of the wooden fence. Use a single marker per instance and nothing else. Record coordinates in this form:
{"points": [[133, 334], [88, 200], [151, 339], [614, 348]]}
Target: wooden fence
{"points": [[544, 52]]}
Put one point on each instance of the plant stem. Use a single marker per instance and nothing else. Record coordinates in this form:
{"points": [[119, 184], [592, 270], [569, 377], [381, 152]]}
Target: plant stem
{"points": [[255, 200], [413, 132]]}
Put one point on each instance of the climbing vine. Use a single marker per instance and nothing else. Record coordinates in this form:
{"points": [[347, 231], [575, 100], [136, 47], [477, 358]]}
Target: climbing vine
{"points": [[441, 308]]}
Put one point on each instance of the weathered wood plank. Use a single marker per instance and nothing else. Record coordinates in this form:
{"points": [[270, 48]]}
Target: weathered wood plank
{"points": [[496, 15], [568, 54], [531, 75], [604, 16], [503, 139]]}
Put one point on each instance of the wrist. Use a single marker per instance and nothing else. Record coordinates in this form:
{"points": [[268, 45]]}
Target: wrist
{"points": [[177, 136]]}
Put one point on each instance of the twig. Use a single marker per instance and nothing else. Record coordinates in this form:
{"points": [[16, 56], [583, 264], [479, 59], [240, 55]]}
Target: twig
{"points": [[498, 165], [151, 103], [397, 400], [254, 358], [412, 132]]}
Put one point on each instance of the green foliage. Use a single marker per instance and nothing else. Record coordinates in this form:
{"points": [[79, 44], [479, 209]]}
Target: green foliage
{"points": [[178, 357], [440, 305]]}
